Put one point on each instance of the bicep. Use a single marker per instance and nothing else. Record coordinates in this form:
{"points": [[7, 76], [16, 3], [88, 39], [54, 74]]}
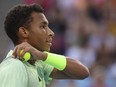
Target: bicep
{"points": [[74, 70]]}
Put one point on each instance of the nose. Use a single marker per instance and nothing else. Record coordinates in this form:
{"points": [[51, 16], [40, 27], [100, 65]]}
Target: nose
{"points": [[50, 32]]}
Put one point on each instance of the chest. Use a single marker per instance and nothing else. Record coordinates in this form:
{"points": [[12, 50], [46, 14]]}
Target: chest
{"points": [[35, 77]]}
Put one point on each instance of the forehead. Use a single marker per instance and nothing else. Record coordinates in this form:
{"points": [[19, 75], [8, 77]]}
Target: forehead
{"points": [[39, 17]]}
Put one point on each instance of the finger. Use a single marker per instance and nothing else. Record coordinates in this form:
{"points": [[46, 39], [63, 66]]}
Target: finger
{"points": [[22, 53], [14, 52], [18, 52]]}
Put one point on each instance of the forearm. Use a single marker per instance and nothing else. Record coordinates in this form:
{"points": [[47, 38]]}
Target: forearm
{"points": [[75, 70], [66, 68]]}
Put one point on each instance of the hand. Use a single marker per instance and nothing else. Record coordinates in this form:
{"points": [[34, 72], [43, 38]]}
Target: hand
{"points": [[26, 47]]}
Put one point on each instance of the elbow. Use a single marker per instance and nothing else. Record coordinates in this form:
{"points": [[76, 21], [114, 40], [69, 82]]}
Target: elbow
{"points": [[85, 74], [82, 74]]}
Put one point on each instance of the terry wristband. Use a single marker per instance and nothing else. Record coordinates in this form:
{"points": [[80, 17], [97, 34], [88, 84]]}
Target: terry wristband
{"points": [[58, 61]]}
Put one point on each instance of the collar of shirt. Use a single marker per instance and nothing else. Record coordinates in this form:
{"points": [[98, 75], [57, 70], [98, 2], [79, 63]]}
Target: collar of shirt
{"points": [[10, 54]]}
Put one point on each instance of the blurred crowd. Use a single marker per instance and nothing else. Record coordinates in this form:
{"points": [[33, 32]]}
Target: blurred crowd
{"points": [[84, 30]]}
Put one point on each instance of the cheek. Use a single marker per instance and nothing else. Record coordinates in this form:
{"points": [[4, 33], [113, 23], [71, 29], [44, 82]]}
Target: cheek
{"points": [[37, 42], [38, 39]]}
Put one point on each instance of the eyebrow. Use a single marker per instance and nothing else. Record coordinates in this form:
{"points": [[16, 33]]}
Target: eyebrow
{"points": [[44, 22]]}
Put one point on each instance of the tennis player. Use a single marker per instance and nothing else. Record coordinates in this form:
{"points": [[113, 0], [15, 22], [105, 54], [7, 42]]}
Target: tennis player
{"points": [[27, 27]]}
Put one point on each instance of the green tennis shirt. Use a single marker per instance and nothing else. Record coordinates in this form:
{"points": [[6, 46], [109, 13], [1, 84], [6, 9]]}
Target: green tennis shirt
{"points": [[15, 73]]}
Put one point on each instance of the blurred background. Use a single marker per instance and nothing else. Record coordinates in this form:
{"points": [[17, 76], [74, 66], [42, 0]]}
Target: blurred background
{"points": [[84, 30]]}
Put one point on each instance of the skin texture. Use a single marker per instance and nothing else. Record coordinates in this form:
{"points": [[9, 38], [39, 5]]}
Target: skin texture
{"points": [[38, 38]]}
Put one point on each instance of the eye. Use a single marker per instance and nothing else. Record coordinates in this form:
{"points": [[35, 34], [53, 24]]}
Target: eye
{"points": [[42, 26]]}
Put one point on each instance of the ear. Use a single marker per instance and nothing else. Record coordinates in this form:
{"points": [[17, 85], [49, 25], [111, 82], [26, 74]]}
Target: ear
{"points": [[23, 32]]}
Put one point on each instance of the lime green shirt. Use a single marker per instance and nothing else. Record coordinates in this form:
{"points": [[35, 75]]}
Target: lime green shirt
{"points": [[15, 73]]}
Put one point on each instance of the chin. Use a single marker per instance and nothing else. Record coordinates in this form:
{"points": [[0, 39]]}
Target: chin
{"points": [[48, 49]]}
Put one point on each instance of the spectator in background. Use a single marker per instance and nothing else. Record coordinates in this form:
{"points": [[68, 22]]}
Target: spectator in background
{"points": [[46, 4], [99, 77]]}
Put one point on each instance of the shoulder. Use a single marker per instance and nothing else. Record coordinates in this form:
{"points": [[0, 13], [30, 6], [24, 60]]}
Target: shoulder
{"points": [[11, 64], [12, 70], [42, 64]]}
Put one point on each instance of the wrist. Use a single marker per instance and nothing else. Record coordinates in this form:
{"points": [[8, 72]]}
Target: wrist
{"points": [[58, 61], [42, 56]]}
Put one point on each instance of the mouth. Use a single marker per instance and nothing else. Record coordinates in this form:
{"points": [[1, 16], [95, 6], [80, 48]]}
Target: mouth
{"points": [[49, 42]]}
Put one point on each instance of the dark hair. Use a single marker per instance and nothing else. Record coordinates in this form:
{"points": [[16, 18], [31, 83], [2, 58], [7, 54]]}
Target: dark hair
{"points": [[18, 16]]}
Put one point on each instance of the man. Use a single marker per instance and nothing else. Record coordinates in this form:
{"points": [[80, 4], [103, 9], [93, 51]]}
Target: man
{"points": [[27, 27]]}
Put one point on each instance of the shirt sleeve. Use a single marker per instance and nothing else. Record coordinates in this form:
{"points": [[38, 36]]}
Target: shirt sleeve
{"points": [[47, 71], [13, 74]]}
